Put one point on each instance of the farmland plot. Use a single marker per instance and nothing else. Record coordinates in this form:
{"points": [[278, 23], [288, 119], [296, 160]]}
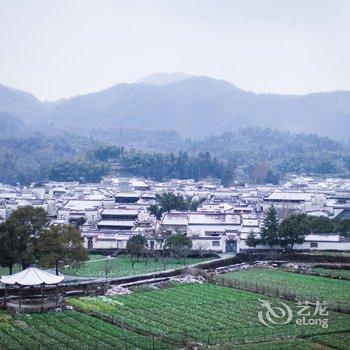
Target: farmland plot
{"points": [[307, 287], [121, 266], [336, 341], [68, 330], [208, 314], [300, 344], [341, 274]]}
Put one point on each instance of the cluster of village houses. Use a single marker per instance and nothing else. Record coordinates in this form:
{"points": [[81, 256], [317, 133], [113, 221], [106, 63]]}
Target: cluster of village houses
{"points": [[117, 208]]}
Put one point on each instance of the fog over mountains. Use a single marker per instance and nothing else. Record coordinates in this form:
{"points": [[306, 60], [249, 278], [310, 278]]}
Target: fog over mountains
{"points": [[173, 126], [194, 107]]}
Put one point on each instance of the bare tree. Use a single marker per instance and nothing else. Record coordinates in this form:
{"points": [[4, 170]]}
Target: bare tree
{"points": [[201, 249], [164, 257], [109, 265]]}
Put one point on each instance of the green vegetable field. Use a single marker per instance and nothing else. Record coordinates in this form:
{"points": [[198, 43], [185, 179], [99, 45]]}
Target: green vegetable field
{"points": [[335, 341], [68, 330], [207, 314], [339, 341], [299, 344], [345, 274], [122, 267], [306, 286]]}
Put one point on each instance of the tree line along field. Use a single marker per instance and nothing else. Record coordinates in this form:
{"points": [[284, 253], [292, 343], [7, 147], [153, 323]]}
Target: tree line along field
{"points": [[68, 330], [208, 314], [304, 286]]}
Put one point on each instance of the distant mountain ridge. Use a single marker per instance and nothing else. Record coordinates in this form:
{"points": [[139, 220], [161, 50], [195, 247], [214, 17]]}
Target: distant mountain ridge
{"points": [[163, 78], [194, 107], [20, 104]]}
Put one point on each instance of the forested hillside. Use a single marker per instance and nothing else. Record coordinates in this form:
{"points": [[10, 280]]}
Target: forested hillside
{"points": [[194, 127], [193, 107], [249, 155], [21, 104], [200, 106], [254, 155], [28, 157]]}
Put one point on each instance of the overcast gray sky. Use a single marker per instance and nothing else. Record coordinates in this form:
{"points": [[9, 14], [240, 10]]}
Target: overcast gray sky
{"points": [[61, 48]]}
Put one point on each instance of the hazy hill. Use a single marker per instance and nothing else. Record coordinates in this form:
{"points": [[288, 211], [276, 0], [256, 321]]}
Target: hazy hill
{"points": [[10, 124], [21, 104], [163, 78], [194, 107]]}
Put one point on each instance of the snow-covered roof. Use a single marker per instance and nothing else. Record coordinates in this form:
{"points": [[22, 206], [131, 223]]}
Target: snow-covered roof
{"points": [[74, 204], [317, 213], [139, 183], [120, 211], [250, 222], [126, 223], [216, 207], [175, 218], [127, 194], [213, 218], [294, 196], [31, 276]]}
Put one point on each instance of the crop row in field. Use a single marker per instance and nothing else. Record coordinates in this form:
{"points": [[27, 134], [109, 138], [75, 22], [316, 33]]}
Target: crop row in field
{"points": [[341, 274], [297, 344], [339, 341], [68, 330], [202, 313], [330, 253], [305, 286]]}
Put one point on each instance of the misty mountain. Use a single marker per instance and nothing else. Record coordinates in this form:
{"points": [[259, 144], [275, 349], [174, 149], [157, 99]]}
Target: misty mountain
{"points": [[163, 78], [10, 124], [194, 107], [21, 104]]}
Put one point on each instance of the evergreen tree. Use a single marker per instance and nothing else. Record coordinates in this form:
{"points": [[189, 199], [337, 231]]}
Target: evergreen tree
{"points": [[252, 241], [270, 233], [8, 248], [227, 178], [169, 201], [293, 230]]}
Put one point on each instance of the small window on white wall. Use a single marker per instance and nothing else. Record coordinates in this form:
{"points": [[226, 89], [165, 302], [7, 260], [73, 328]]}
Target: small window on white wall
{"points": [[216, 243], [313, 245]]}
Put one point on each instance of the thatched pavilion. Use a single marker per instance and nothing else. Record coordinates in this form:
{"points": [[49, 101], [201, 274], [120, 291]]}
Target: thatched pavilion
{"points": [[31, 290]]}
